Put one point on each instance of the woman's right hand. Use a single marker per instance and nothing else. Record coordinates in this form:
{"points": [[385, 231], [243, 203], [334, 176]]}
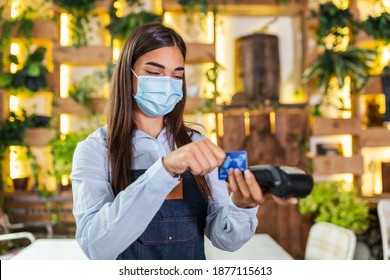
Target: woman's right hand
{"points": [[200, 158]]}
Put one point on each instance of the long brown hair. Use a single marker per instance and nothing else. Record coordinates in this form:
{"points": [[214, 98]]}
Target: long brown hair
{"points": [[120, 120]]}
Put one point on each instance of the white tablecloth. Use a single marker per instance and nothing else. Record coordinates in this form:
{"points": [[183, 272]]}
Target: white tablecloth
{"points": [[260, 247]]}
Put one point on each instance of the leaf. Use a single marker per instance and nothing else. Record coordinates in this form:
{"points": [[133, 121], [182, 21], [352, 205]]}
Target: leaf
{"points": [[38, 55], [13, 58], [5, 80], [34, 69]]}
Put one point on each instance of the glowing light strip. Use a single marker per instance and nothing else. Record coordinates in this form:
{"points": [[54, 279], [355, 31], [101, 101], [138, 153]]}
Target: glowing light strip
{"points": [[13, 103], [64, 30], [116, 50], [15, 8], [15, 50], [272, 121], [64, 78], [64, 124]]}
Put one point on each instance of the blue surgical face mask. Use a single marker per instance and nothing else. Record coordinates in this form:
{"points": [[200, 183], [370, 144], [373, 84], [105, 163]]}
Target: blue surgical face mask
{"points": [[157, 96]]}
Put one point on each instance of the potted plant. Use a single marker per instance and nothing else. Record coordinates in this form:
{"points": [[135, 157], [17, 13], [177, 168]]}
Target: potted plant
{"points": [[378, 26], [338, 58], [23, 23], [330, 202], [89, 90], [62, 148], [121, 27], [12, 133], [79, 11], [31, 78]]}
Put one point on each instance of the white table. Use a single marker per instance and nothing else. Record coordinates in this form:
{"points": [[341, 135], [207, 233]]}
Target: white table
{"points": [[51, 249], [259, 247]]}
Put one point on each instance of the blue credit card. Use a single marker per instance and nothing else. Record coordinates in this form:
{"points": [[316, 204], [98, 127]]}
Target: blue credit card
{"points": [[238, 159]]}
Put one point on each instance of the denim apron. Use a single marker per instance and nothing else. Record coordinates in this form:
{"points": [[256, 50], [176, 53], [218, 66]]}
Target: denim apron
{"points": [[177, 230]]}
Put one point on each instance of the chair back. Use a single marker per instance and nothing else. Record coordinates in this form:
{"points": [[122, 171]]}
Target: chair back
{"points": [[328, 241], [384, 221]]}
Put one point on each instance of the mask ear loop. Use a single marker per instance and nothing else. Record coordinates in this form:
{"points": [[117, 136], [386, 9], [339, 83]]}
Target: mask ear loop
{"points": [[134, 73], [135, 76]]}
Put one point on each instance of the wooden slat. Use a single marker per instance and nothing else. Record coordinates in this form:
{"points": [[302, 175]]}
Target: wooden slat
{"points": [[375, 137], [71, 106], [234, 138], [329, 165], [200, 53], [42, 30], [82, 56], [39, 136], [374, 86], [327, 126], [245, 7], [4, 105], [68, 106], [194, 104], [30, 207]]}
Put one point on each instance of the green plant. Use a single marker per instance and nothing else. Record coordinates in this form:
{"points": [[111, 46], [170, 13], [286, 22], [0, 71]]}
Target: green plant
{"points": [[353, 62], [378, 27], [79, 10], [339, 59], [212, 77], [121, 27], [62, 149], [23, 23], [31, 78], [88, 87], [332, 20], [330, 202], [12, 133]]}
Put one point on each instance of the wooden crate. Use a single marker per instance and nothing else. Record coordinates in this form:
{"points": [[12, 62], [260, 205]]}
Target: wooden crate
{"points": [[25, 207], [82, 56], [39, 137], [327, 126], [200, 53], [375, 137], [329, 165]]}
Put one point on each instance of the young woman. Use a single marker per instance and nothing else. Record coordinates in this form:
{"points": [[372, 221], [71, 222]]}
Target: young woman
{"points": [[146, 186]]}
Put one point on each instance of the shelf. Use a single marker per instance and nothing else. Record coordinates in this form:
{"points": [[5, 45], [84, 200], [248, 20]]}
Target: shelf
{"points": [[327, 126], [329, 165], [244, 7], [71, 106], [82, 56], [200, 53], [194, 104], [375, 137], [42, 30], [374, 86], [31, 207], [38, 137]]}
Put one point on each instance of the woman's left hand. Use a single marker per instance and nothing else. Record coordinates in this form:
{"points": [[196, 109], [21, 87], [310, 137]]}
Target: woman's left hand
{"points": [[246, 192]]}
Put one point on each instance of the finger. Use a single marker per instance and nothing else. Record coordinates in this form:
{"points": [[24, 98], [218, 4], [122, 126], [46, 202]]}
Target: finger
{"points": [[196, 162], [253, 187], [218, 153], [208, 155], [232, 181], [243, 188]]}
